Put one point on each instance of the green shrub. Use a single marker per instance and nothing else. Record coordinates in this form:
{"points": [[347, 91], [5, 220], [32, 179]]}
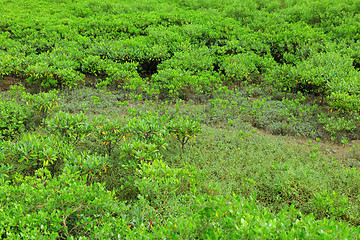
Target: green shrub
{"points": [[137, 151], [14, 119], [34, 151], [65, 207], [232, 217], [70, 127], [53, 70], [183, 129], [42, 103], [328, 75], [149, 128], [12, 64], [330, 204], [337, 124], [109, 132], [178, 83], [319, 73], [343, 100], [192, 59], [187, 72], [91, 166], [158, 182], [245, 67], [112, 72], [169, 82]]}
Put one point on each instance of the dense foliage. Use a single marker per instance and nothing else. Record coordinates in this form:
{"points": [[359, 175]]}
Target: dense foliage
{"points": [[137, 161], [171, 48], [99, 176]]}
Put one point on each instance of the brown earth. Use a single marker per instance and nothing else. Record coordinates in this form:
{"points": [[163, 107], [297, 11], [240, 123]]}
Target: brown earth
{"points": [[6, 82]]}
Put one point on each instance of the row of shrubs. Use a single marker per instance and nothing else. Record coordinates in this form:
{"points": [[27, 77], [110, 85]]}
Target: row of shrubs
{"points": [[191, 50], [66, 207]]}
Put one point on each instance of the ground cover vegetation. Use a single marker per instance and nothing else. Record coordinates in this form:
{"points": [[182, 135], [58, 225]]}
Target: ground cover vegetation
{"points": [[179, 119]]}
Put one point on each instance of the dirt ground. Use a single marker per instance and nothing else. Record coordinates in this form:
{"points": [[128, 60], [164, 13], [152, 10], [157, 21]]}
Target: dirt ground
{"points": [[6, 82]]}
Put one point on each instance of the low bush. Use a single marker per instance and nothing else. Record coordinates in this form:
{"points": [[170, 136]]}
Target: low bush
{"points": [[42, 103], [328, 75], [34, 151], [218, 217], [159, 183], [183, 129], [245, 67], [69, 127], [64, 207], [110, 132], [14, 119]]}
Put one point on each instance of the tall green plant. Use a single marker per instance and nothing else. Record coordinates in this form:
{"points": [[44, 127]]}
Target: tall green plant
{"points": [[110, 132], [42, 103], [183, 129], [14, 119], [70, 127]]}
